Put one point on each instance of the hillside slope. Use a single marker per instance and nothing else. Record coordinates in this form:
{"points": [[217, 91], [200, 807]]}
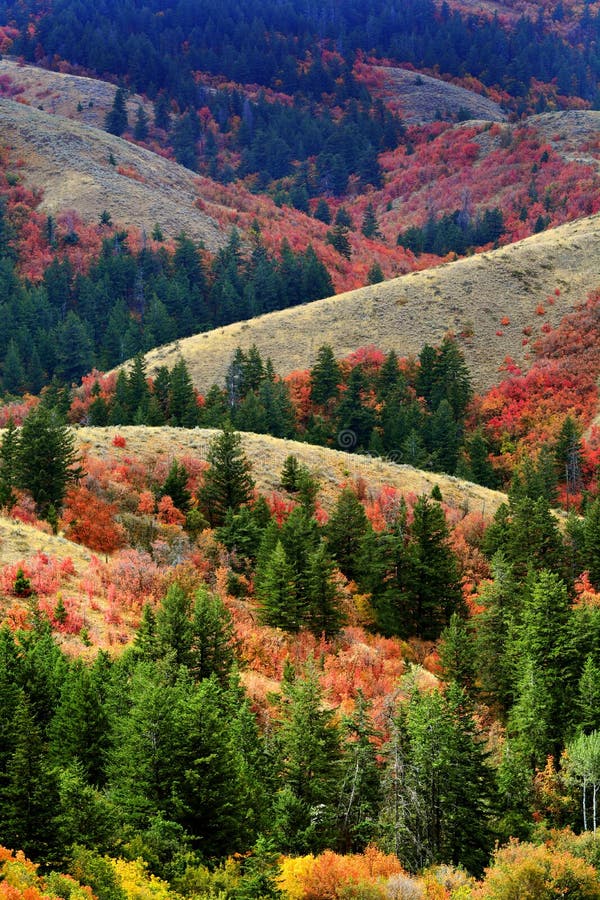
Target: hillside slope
{"points": [[267, 455], [71, 161], [420, 98], [471, 297]]}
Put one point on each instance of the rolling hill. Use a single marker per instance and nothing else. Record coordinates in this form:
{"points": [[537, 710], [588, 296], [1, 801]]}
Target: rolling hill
{"points": [[72, 163], [470, 297]]}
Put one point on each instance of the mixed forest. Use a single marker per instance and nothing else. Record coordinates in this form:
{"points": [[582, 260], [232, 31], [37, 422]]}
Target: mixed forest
{"points": [[250, 658]]}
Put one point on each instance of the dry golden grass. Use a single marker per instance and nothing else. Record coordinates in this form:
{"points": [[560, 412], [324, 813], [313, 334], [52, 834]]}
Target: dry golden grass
{"points": [[70, 160], [420, 98], [469, 297], [62, 94], [267, 455], [19, 541]]}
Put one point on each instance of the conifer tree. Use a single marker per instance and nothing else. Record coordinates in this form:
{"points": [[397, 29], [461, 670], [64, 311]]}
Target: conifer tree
{"points": [[325, 376], [457, 654], [277, 592], [140, 131], [228, 483], [212, 638], [324, 615], [9, 456], [79, 728], [182, 403], [173, 626], [116, 119], [588, 697], [345, 532], [433, 581], [308, 745], [175, 486], [361, 790], [29, 799], [47, 460], [369, 227]]}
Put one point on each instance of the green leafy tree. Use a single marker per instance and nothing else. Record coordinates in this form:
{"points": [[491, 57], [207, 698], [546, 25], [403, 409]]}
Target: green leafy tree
{"points": [[583, 762]]}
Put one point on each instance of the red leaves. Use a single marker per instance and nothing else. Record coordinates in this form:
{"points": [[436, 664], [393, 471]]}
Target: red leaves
{"points": [[88, 520]]}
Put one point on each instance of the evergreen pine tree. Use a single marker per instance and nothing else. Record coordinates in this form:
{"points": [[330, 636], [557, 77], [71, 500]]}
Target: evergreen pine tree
{"points": [[212, 632], [173, 626], [228, 483], [13, 372], [277, 592], [324, 615], [433, 582], [182, 403], [588, 697], [457, 654], [9, 455], [369, 226], [29, 801], [116, 119], [47, 461], [345, 533], [325, 376], [361, 790], [308, 745], [140, 131], [175, 486]]}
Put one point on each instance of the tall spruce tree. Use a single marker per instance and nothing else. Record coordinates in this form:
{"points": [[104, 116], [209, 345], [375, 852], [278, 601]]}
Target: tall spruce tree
{"points": [[116, 119], [228, 483], [47, 460], [9, 457]]}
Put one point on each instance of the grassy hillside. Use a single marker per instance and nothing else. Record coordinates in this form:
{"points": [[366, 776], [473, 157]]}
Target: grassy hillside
{"points": [[267, 455], [71, 162], [471, 297], [420, 98]]}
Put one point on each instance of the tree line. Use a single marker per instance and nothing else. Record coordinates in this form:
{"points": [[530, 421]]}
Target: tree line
{"points": [[129, 302]]}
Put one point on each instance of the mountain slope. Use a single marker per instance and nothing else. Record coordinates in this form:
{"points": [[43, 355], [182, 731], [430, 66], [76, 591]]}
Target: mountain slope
{"points": [[471, 297], [71, 161], [420, 98], [267, 455]]}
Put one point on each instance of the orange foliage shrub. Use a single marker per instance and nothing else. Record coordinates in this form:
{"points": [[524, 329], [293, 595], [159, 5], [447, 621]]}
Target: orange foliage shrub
{"points": [[539, 873], [88, 520], [328, 876]]}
